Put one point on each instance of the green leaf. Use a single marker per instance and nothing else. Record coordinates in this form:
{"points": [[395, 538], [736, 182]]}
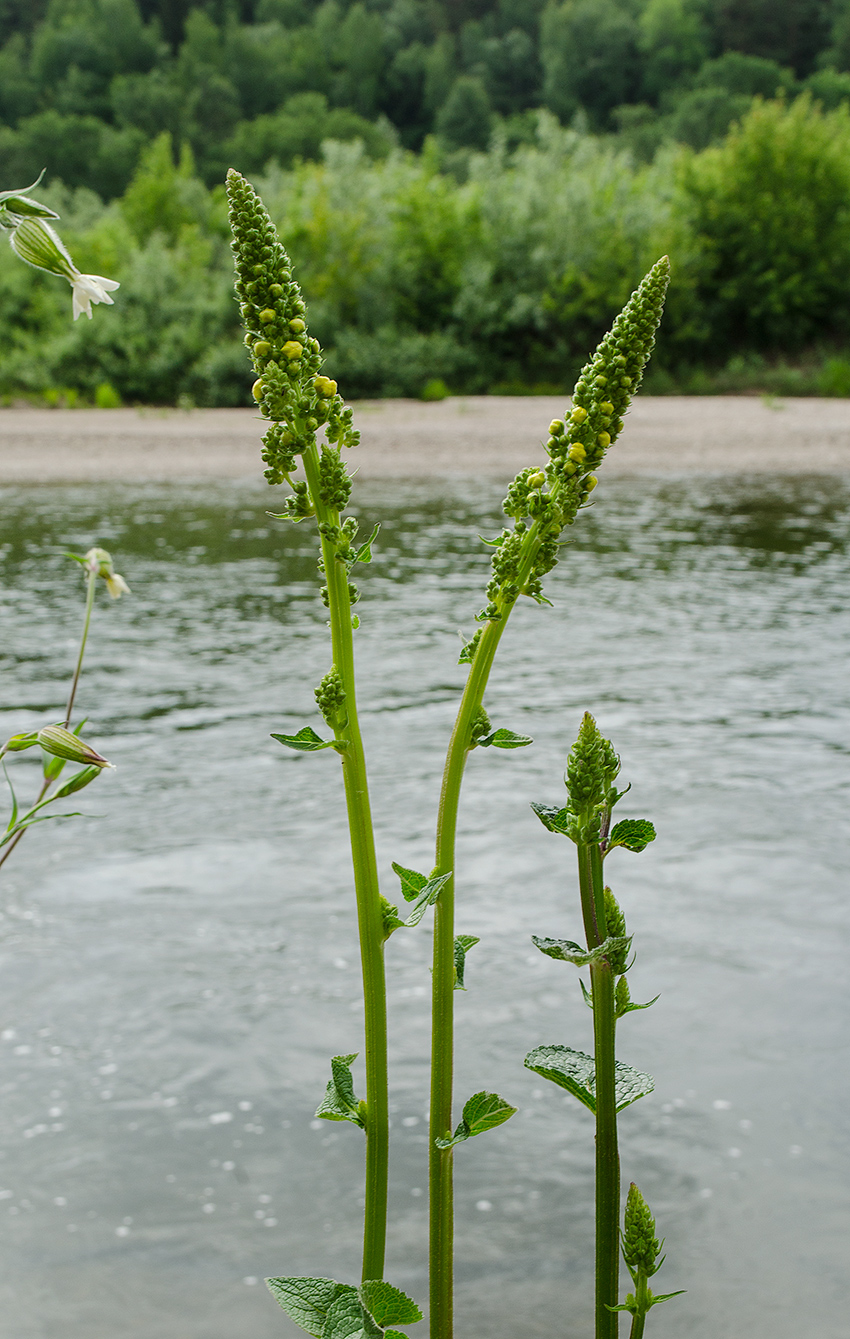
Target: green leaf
{"points": [[17, 743], [588, 994], [655, 1298], [463, 943], [364, 553], [77, 782], [564, 950], [504, 739], [630, 1007], [307, 1301], [347, 1319], [306, 741], [634, 834], [483, 1111], [411, 882], [339, 1101], [388, 1305], [555, 820], [53, 766], [413, 885], [576, 1072]]}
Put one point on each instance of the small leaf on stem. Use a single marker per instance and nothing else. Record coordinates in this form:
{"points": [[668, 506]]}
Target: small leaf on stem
{"points": [[634, 834], [339, 1101], [504, 739], [306, 741], [564, 950], [576, 1072], [463, 943], [483, 1111], [554, 820], [307, 1301]]}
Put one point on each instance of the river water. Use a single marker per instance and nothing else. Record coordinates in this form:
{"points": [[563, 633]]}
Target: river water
{"points": [[179, 965]]}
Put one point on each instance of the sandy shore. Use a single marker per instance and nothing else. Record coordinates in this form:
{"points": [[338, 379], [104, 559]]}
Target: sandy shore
{"points": [[473, 435]]}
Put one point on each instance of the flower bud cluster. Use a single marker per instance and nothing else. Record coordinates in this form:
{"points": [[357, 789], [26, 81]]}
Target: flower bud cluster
{"points": [[289, 387], [330, 699], [480, 726], [334, 480], [588, 769], [615, 928], [640, 1244], [578, 443]]}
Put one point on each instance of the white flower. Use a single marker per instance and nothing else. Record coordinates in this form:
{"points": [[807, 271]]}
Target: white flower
{"points": [[42, 247], [89, 288], [116, 585]]}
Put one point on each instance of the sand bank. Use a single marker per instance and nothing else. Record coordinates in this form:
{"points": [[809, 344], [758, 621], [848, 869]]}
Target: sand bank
{"points": [[465, 435]]}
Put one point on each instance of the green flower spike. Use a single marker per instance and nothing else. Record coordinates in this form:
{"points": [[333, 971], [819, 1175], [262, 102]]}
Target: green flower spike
{"points": [[289, 389], [641, 1250], [550, 499]]}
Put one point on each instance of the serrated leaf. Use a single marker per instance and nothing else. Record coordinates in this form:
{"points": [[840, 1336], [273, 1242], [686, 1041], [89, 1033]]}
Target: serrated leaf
{"points": [[630, 1007], [388, 1305], [307, 1301], [504, 739], [346, 1319], [339, 1101], [564, 950], [412, 883], [364, 553], [463, 943], [555, 820], [576, 1072], [483, 1111], [306, 741], [394, 1334], [634, 834]]}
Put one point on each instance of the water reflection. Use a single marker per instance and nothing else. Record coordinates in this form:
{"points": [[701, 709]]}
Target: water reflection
{"points": [[177, 971]]}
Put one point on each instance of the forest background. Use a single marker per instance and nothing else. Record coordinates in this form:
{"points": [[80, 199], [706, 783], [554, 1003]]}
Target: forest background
{"points": [[469, 190]]}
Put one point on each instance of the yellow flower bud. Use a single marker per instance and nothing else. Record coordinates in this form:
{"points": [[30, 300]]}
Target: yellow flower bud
{"points": [[577, 452], [604, 439], [535, 480], [262, 348], [292, 349], [606, 407], [266, 315], [257, 390], [578, 415], [325, 386], [297, 325], [556, 427], [590, 482]]}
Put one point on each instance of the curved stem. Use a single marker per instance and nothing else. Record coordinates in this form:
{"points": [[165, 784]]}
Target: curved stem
{"points": [[46, 784], [367, 891]]}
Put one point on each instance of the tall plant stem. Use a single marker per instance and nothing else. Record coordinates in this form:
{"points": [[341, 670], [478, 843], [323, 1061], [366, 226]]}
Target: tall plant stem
{"points": [[48, 781], [443, 984], [641, 1297], [367, 891], [607, 1152]]}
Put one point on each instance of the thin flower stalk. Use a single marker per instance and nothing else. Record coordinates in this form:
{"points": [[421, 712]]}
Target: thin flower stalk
{"points": [[541, 502], [298, 400]]}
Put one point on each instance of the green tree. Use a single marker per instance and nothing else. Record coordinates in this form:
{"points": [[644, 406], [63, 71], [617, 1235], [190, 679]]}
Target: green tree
{"points": [[770, 210], [465, 119], [589, 51], [673, 41]]}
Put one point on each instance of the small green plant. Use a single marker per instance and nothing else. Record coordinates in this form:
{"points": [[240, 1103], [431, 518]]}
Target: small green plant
{"points": [[599, 1081], [59, 743], [300, 402]]}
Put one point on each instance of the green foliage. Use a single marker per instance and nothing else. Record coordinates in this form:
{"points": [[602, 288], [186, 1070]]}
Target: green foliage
{"points": [[770, 210], [576, 1073], [483, 1111], [463, 943], [634, 834], [564, 950], [339, 1101], [329, 1310]]}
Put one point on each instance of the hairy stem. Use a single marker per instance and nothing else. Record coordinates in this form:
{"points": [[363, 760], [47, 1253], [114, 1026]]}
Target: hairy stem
{"points": [[440, 1161], [367, 891], [607, 1153]]}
